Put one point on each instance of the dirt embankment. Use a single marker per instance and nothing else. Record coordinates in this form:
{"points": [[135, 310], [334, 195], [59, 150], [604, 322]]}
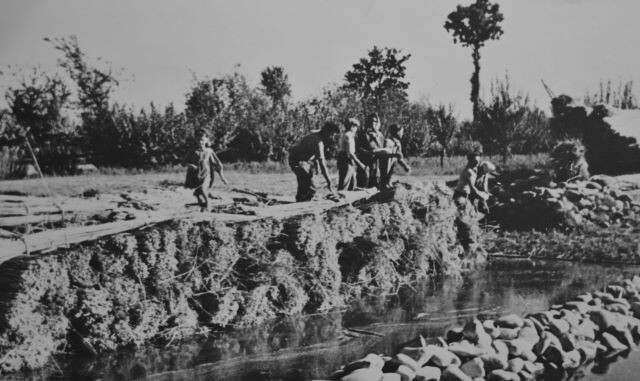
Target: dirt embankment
{"points": [[175, 279]]}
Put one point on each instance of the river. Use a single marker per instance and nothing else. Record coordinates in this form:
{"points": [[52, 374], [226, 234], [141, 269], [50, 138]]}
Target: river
{"points": [[312, 347]]}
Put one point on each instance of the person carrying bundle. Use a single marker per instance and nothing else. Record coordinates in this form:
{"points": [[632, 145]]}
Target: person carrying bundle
{"points": [[306, 155], [201, 168], [347, 158]]}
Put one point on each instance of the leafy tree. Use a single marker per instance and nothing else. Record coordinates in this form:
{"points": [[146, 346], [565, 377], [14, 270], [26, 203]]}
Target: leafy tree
{"points": [[378, 78], [414, 117], [95, 85], [222, 106], [37, 104], [443, 128], [508, 120], [473, 26], [275, 83]]}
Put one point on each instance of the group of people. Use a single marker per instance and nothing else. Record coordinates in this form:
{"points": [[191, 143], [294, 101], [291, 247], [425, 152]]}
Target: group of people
{"points": [[365, 159]]}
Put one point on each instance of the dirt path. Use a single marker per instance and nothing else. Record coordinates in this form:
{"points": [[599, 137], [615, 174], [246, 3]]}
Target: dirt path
{"points": [[272, 183]]}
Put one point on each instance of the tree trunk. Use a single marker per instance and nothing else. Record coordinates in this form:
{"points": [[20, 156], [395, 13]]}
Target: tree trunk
{"points": [[442, 154], [475, 81], [505, 154]]}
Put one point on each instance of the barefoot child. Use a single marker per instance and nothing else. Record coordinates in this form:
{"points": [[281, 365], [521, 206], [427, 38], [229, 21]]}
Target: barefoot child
{"points": [[347, 160], [393, 145], [201, 174]]}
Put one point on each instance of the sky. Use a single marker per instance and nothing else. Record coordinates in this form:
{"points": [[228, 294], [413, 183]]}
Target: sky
{"points": [[161, 45]]}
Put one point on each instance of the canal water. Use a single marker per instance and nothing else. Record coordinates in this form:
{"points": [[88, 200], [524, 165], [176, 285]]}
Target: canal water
{"points": [[312, 347]]}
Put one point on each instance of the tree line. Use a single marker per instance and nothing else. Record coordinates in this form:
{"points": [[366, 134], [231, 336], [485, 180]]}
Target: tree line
{"points": [[70, 115]]}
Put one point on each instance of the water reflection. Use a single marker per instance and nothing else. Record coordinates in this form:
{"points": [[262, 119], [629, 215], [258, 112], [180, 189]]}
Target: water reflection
{"points": [[312, 347]]}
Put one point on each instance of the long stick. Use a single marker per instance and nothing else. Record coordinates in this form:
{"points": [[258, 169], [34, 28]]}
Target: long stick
{"points": [[549, 91]]}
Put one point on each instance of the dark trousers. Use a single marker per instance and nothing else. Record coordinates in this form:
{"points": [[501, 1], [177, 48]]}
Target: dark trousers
{"points": [[346, 173], [368, 177], [304, 175], [386, 171]]}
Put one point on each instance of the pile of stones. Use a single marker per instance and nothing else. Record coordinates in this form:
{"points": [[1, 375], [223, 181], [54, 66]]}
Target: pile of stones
{"points": [[547, 345], [531, 203]]}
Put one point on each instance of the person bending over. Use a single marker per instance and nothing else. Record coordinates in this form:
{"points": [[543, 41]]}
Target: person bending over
{"points": [[307, 154]]}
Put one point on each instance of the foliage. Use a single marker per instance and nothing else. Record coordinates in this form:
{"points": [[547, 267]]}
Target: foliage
{"points": [[95, 85], [508, 120], [37, 105], [620, 97], [275, 83], [246, 122], [414, 117], [379, 77], [142, 140], [444, 127], [472, 26]]}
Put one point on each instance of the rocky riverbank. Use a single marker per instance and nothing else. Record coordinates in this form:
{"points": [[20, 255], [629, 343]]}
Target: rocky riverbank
{"points": [[596, 220], [176, 279], [552, 344]]}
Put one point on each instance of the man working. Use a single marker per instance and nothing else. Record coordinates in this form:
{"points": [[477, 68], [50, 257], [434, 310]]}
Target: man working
{"points": [[306, 154], [466, 188]]}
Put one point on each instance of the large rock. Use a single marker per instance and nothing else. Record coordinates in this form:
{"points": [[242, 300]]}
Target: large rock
{"points": [[406, 373], [612, 343], [441, 357], [407, 361], [465, 349], [502, 375], [363, 374], [509, 321], [453, 373], [474, 368], [428, 373], [493, 362]]}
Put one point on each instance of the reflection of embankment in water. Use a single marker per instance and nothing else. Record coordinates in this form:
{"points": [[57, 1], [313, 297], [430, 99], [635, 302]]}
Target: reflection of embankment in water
{"points": [[314, 346]]}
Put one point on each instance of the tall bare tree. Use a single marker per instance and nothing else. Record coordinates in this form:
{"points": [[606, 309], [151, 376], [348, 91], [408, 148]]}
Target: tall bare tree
{"points": [[473, 26]]}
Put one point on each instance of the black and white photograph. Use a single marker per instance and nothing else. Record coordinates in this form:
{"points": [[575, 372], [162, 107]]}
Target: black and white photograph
{"points": [[293, 190]]}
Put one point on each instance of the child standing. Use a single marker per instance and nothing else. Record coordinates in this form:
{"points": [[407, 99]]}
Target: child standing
{"points": [[393, 146], [347, 159], [200, 175]]}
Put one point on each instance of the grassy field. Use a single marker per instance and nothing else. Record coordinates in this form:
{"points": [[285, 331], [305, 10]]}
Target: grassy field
{"points": [[273, 178]]}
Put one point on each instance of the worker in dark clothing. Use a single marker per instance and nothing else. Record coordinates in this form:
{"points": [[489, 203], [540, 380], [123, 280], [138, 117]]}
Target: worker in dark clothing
{"points": [[369, 146], [306, 155]]}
